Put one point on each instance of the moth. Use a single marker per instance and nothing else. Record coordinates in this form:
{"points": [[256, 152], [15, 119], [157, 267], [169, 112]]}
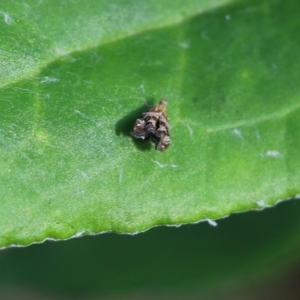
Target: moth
{"points": [[154, 124]]}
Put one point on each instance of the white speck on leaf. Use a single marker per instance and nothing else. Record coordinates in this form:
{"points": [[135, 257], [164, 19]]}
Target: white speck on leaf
{"points": [[190, 129], [237, 133], [49, 79], [79, 113], [83, 174], [87, 118], [258, 137], [72, 59], [120, 175], [26, 156], [142, 87], [104, 152], [96, 57], [228, 17], [46, 96], [82, 114], [78, 234], [184, 45], [212, 222], [7, 18], [273, 153], [60, 52], [262, 203], [25, 90], [163, 166]]}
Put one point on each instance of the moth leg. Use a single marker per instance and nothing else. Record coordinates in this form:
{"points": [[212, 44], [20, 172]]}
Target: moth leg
{"points": [[164, 143], [162, 135], [162, 127]]}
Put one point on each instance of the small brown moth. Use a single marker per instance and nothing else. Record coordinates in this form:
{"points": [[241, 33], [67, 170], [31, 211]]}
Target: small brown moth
{"points": [[154, 124]]}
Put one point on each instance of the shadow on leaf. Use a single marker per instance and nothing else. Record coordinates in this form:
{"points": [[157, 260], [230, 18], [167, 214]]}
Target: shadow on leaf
{"points": [[126, 124]]}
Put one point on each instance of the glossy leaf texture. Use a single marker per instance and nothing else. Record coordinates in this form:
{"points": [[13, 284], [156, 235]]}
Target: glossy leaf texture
{"points": [[76, 75]]}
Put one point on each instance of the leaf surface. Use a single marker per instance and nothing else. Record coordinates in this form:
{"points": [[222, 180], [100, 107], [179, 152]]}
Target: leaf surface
{"points": [[75, 76]]}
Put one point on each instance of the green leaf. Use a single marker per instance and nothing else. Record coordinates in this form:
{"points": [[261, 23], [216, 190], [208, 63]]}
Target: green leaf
{"points": [[75, 76]]}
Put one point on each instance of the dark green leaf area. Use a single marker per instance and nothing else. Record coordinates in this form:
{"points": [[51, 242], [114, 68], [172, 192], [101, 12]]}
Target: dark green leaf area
{"points": [[201, 258]]}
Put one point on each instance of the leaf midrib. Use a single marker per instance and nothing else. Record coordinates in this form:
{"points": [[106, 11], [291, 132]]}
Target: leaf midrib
{"points": [[243, 123], [112, 39]]}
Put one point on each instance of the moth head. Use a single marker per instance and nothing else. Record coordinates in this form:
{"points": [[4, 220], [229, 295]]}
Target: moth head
{"points": [[139, 129]]}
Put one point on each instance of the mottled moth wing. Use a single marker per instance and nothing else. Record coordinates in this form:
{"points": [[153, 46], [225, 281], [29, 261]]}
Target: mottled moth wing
{"points": [[162, 134], [145, 125], [154, 123]]}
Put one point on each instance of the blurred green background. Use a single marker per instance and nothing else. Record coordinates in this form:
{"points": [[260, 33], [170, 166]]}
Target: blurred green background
{"points": [[241, 255]]}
